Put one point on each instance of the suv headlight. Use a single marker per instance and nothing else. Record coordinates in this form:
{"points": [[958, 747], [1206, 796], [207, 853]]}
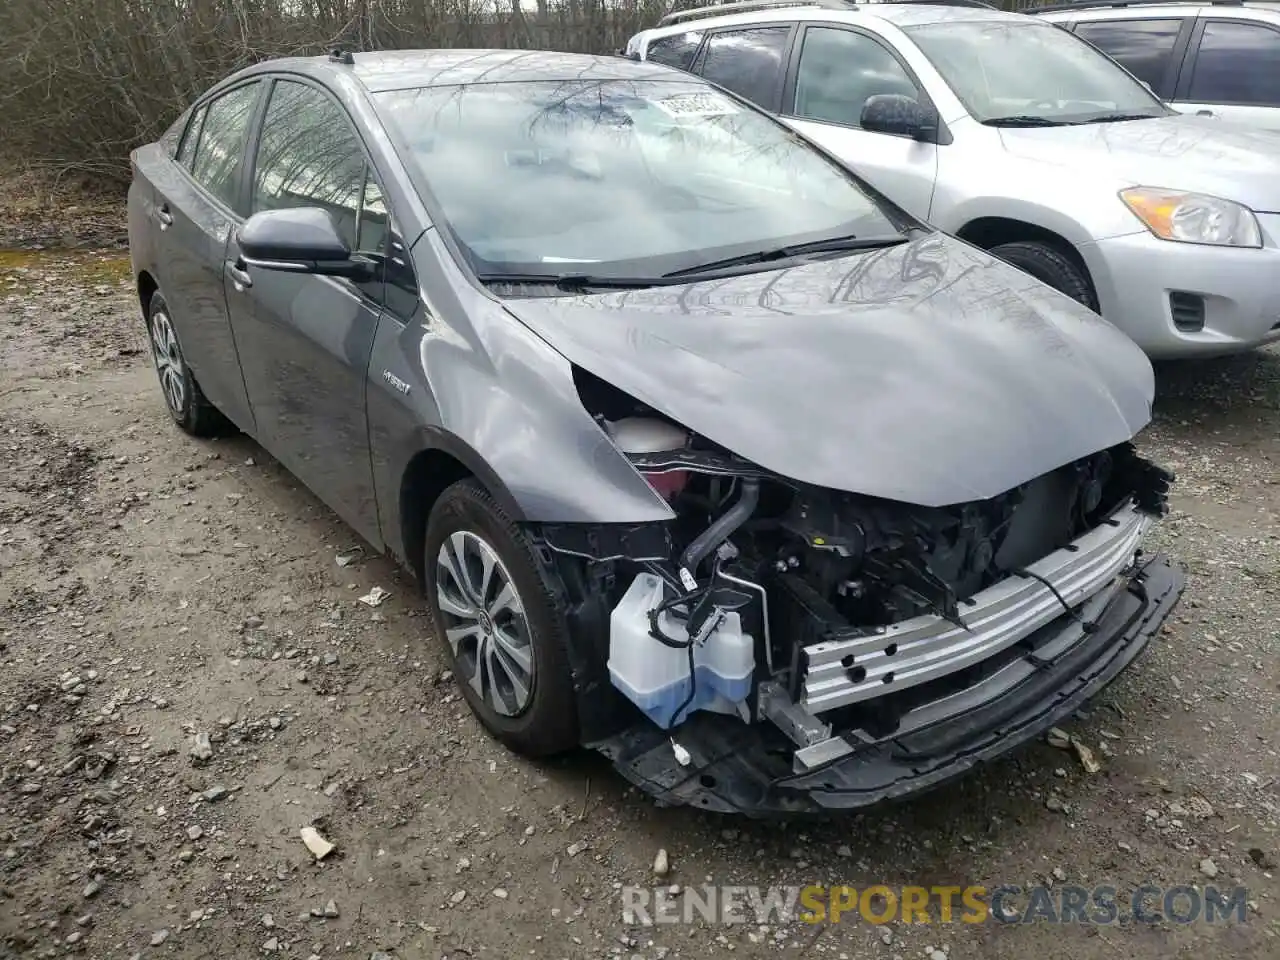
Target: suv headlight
{"points": [[1193, 217]]}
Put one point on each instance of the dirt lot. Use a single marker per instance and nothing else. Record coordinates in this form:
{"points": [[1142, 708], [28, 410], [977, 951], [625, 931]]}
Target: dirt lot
{"points": [[155, 590]]}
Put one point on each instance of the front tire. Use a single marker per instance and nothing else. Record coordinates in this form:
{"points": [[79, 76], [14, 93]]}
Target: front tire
{"points": [[182, 395], [499, 623], [1051, 266]]}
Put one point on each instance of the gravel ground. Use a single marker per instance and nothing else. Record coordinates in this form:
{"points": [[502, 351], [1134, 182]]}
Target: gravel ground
{"points": [[187, 679]]}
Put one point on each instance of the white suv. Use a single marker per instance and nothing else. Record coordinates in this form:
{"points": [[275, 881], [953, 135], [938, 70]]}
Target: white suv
{"points": [[1220, 58], [1011, 133]]}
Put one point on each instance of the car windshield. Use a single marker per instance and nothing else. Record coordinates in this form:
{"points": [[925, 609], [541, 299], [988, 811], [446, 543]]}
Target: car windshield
{"points": [[1032, 71], [622, 178]]}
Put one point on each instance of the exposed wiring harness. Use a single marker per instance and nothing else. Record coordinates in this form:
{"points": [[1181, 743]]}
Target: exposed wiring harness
{"points": [[687, 591], [689, 598]]}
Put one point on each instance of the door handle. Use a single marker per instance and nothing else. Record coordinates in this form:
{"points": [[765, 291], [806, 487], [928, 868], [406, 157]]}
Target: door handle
{"points": [[240, 278], [164, 216], [1204, 113]]}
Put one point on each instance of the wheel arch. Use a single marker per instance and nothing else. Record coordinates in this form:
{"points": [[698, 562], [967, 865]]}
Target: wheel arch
{"points": [[991, 231], [147, 288], [441, 460]]}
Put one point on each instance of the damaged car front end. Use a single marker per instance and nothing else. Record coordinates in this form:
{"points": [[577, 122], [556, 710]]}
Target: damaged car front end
{"points": [[788, 649]]}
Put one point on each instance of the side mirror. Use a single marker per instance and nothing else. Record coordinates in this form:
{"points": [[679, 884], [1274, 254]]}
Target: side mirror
{"points": [[897, 114], [300, 240]]}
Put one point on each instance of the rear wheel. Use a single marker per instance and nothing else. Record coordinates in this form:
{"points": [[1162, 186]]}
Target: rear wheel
{"points": [[499, 622], [1049, 265], [182, 395]]}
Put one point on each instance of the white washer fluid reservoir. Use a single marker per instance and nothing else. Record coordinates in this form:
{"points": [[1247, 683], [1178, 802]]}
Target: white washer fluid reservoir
{"points": [[655, 677]]}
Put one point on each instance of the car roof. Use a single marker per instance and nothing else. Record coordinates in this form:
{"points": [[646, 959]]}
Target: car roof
{"points": [[899, 14], [1121, 8], [914, 14], [429, 68], [402, 69]]}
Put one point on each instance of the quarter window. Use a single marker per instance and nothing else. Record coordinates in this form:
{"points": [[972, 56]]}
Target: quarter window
{"points": [[1238, 63], [1143, 47], [839, 70], [309, 156], [748, 62], [677, 50], [220, 147], [187, 150], [373, 232]]}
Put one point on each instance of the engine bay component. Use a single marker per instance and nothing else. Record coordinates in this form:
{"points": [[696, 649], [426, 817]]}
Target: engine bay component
{"points": [[667, 665], [650, 435], [646, 435], [721, 528], [830, 622]]}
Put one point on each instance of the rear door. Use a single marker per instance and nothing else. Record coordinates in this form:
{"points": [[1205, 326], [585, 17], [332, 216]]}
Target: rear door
{"points": [[195, 209], [305, 340], [750, 61], [1233, 71], [1151, 49], [836, 68]]}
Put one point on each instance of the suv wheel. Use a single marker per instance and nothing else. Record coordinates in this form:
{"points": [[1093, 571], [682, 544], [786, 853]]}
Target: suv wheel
{"points": [[1051, 266]]}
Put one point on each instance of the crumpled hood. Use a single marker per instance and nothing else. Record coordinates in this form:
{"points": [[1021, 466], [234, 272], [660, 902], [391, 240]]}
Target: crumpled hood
{"points": [[928, 373], [1182, 152]]}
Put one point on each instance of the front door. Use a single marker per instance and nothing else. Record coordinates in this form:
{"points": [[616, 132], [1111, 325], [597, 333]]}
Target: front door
{"points": [[305, 340], [837, 70]]}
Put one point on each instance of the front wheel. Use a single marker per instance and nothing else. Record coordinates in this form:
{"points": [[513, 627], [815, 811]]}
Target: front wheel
{"points": [[1051, 266], [182, 395], [501, 626]]}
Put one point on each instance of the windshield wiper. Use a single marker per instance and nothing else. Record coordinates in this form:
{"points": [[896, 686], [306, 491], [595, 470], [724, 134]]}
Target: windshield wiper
{"points": [[829, 245], [573, 281], [1118, 117], [1026, 120]]}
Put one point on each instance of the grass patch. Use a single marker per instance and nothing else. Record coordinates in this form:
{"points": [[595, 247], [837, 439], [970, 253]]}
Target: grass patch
{"points": [[23, 271]]}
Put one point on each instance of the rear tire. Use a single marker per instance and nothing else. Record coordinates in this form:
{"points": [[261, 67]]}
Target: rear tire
{"points": [[185, 400], [1051, 266], [499, 623]]}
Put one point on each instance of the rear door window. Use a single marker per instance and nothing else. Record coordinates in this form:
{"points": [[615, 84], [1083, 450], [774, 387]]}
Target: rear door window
{"points": [[677, 50], [1238, 63], [749, 62], [220, 147], [1143, 47]]}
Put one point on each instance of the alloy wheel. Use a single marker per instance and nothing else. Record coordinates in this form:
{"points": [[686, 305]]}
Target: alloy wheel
{"points": [[169, 366], [485, 623]]}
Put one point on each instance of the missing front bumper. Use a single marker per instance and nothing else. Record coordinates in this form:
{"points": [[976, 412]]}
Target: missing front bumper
{"points": [[734, 767], [864, 666]]}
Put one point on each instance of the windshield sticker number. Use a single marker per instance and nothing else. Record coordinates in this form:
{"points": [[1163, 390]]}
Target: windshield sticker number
{"points": [[696, 105]]}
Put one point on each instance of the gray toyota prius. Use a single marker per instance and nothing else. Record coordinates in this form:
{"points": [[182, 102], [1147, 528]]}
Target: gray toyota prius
{"points": [[705, 455]]}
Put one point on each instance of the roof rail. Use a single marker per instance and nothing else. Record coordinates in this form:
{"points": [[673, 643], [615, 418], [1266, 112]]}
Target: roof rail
{"points": [[745, 6], [980, 4], [1119, 4]]}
